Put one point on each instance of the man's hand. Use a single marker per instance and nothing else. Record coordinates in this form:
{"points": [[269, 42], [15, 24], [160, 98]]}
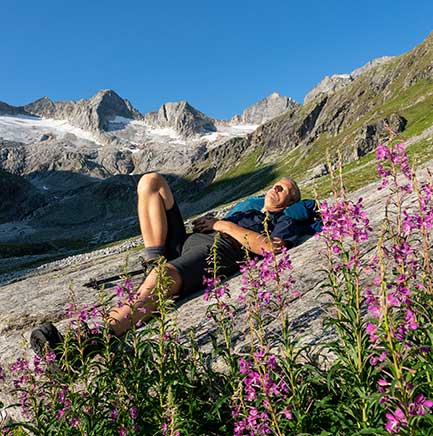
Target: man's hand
{"points": [[277, 244], [204, 224]]}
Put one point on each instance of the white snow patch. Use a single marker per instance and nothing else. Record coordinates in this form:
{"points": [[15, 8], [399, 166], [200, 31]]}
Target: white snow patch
{"points": [[139, 132], [340, 76], [226, 132], [28, 129], [121, 120]]}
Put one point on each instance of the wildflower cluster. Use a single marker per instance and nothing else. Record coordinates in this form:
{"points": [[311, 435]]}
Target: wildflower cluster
{"points": [[263, 283], [343, 221], [399, 299], [263, 404]]}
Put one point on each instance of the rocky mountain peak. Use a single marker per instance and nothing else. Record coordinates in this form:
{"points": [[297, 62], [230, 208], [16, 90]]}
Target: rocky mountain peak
{"points": [[331, 84], [369, 65], [181, 116], [103, 107], [91, 115], [106, 96], [42, 107], [266, 109]]}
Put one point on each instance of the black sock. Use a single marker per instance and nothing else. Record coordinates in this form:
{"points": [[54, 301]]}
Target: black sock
{"points": [[153, 252]]}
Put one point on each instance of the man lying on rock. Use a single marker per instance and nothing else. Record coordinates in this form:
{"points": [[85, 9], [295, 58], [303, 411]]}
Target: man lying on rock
{"points": [[290, 220]]}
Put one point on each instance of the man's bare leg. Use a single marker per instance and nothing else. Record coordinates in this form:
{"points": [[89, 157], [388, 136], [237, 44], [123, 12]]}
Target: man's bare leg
{"points": [[154, 198], [144, 303]]}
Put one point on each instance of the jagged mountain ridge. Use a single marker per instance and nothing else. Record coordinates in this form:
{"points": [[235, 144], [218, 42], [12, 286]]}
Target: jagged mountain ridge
{"points": [[92, 114], [97, 113]]}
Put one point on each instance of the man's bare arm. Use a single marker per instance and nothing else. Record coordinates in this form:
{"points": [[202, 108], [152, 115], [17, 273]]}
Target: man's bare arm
{"points": [[254, 241]]}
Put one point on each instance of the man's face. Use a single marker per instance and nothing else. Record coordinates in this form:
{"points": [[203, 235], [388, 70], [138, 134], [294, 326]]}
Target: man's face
{"points": [[278, 197]]}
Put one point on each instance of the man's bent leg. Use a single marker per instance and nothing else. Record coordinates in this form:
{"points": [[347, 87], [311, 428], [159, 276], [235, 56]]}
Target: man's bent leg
{"points": [[144, 304], [47, 337], [154, 198]]}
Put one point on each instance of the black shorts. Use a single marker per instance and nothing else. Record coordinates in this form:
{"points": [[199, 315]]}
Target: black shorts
{"points": [[189, 254]]}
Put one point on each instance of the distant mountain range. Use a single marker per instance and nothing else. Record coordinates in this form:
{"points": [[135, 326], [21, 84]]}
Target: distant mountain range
{"points": [[69, 169]]}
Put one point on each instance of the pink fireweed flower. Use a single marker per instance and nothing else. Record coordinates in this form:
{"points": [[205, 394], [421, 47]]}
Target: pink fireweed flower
{"points": [[50, 357], [114, 414], [344, 219], [2, 374], [69, 309], [74, 422], [244, 365], [61, 396], [392, 300], [374, 360], [370, 298], [420, 406], [375, 310], [122, 431], [128, 286], [84, 314], [20, 365], [382, 152], [214, 289], [371, 330], [287, 413], [254, 424], [395, 421], [133, 413], [411, 320], [263, 283], [382, 382], [119, 291], [395, 156]]}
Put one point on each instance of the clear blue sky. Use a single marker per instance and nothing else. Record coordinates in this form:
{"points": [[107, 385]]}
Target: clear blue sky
{"points": [[219, 55]]}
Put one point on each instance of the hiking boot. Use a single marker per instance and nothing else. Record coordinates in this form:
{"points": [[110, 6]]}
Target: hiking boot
{"points": [[46, 339]]}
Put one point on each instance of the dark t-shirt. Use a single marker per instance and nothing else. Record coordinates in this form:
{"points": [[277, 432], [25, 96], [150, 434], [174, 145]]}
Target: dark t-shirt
{"points": [[278, 224], [292, 225]]}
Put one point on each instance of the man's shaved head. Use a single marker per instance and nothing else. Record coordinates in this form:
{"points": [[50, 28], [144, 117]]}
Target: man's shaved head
{"points": [[295, 192], [283, 193]]}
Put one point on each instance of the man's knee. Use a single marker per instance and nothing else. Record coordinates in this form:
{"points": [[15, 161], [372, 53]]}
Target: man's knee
{"points": [[150, 182]]}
